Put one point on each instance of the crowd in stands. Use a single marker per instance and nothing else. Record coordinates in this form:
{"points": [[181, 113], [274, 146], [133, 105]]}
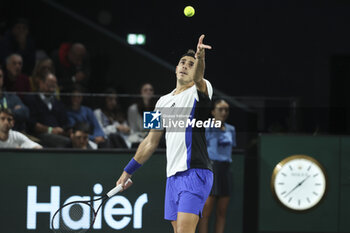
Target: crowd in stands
{"points": [[42, 99]]}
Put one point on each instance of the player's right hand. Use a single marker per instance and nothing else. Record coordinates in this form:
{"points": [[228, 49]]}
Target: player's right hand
{"points": [[123, 180]]}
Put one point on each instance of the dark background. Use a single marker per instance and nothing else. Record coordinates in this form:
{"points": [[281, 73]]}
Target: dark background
{"points": [[260, 48]]}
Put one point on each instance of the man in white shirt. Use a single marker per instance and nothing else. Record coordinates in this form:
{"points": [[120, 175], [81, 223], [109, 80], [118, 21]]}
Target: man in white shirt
{"points": [[189, 175], [10, 138]]}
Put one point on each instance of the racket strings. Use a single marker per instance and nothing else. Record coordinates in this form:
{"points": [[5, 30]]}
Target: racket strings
{"points": [[75, 217]]}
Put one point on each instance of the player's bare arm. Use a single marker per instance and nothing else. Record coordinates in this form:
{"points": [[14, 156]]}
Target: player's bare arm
{"points": [[148, 146], [199, 66], [143, 153]]}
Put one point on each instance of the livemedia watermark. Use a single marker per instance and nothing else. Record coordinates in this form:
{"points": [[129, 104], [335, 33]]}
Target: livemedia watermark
{"points": [[177, 121]]}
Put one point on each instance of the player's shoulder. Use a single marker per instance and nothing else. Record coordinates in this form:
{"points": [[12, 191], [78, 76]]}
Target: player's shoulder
{"points": [[207, 81], [166, 96], [164, 99], [209, 88]]}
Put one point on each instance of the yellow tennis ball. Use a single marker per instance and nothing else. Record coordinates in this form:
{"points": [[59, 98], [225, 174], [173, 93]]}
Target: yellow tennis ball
{"points": [[189, 11]]}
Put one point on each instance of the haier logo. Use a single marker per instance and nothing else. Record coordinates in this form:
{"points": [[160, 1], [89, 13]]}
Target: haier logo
{"points": [[125, 210]]}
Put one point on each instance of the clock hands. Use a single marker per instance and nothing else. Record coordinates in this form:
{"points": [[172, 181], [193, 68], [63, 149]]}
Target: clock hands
{"points": [[298, 185]]}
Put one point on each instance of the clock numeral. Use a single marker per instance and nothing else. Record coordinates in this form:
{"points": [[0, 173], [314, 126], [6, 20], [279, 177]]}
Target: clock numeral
{"points": [[299, 202], [283, 192], [290, 199], [317, 184], [281, 183], [284, 174], [290, 167], [308, 200], [308, 169], [316, 194], [315, 175]]}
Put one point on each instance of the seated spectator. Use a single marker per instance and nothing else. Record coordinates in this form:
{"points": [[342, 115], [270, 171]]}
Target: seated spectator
{"points": [[80, 137], [42, 67], [135, 113], [15, 80], [80, 113], [112, 120], [18, 40], [10, 138], [14, 103], [72, 65], [48, 118]]}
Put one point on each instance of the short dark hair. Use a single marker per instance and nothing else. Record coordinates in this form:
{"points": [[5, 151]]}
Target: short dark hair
{"points": [[6, 111], [189, 53], [77, 88], [82, 126], [216, 101]]}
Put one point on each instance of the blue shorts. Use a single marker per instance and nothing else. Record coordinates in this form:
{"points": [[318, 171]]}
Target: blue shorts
{"points": [[187, 192]]}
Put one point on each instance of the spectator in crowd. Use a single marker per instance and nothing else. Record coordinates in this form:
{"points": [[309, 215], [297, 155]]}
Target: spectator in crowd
{"points": [[219, 142], [15, 80], [113, 121], [18, 40], [72, 65], [135, 113], [14, 103], [10, 138], [80, 137], [42, 67], [48, 117], [80, 113]]}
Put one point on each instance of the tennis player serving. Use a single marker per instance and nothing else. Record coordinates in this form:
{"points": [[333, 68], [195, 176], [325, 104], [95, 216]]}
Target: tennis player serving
{"points": [[189, 175]]}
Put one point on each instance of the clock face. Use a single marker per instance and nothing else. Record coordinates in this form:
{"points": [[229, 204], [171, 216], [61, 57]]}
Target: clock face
{"points": [[299, 182]]}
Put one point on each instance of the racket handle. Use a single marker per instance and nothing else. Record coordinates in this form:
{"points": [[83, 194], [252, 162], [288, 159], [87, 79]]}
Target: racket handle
{"points": [[117, 189]]}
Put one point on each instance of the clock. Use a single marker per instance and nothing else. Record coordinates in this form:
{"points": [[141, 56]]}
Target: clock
{"points": [[299, 182]]}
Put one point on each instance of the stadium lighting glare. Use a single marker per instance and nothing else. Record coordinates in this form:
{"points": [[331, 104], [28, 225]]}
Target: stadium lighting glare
{"points": [[136, 39]]}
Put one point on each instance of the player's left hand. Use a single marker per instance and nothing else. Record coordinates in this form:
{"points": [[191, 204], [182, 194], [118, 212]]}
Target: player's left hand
{"points": [[201, 47]]}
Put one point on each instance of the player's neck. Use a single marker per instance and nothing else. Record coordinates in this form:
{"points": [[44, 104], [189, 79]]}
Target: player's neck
{"points": [[182, 87]]}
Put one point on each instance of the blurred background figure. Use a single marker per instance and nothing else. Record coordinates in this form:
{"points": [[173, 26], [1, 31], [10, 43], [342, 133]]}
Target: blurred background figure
{"points": [[80, 113], [72, 66], [10, 138], [113, 121], [220, 142], [80, 137], [18, 40], [42, 67], [48, 117], [15, 80], [13, 102], [146, 102]]}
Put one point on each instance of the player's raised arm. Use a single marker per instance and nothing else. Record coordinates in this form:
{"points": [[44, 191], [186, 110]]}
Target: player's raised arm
{"points": [[143, 153], [199, 66]]}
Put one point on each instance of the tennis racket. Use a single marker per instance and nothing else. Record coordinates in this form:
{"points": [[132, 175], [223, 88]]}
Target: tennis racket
{"points": [[65, 218]]}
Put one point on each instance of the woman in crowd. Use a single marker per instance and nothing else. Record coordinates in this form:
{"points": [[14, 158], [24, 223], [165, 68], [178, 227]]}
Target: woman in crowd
{"points": [[135, 113], [113, 121]]}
